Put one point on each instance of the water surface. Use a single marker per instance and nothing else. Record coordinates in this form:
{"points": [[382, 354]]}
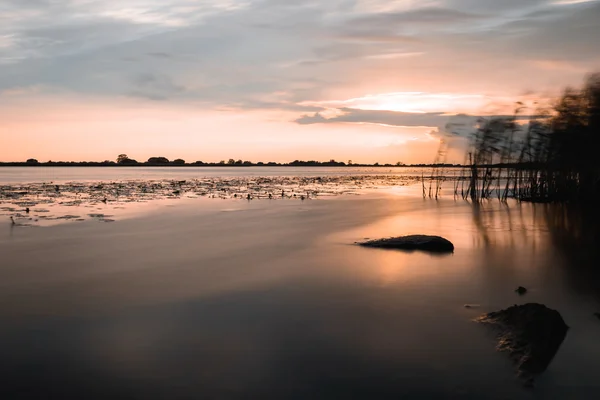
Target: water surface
{"points": [[11, 175], [220, 298]]}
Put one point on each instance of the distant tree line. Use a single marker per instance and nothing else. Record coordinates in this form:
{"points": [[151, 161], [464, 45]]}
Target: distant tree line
{"points": [[125, 160]]}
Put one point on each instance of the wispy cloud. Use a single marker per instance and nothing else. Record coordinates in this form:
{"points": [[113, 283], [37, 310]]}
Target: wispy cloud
{"points": [[568, 2], [426, 56], [380, 117]]}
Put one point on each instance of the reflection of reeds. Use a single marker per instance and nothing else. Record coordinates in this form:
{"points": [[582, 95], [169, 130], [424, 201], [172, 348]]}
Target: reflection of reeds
{"points": [[552, 160]]}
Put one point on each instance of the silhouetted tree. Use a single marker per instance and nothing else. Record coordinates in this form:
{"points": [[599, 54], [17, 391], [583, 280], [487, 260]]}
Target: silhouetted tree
{"points": [[179, 161], [124, 160], [158, 160]]}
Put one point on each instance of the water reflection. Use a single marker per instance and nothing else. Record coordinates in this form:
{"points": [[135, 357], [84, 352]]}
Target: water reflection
{"points": [[507, 225], [275, 301], [574, 232], [565, 236]]}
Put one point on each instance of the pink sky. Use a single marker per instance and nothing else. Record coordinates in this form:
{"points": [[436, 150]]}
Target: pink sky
{"points": [[357, 80], [93, 130]]}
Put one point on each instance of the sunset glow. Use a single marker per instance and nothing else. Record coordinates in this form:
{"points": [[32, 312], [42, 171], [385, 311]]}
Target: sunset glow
{"points": [[266, 80]]}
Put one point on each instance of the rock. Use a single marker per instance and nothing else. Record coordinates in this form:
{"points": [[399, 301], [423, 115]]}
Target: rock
{"points": [[413, 242], [531, 333], [521, 290]]}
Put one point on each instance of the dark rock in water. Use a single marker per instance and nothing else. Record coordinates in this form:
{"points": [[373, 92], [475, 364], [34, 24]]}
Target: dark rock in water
{"points": [[413, 242], [531, 333], [521, 290]]}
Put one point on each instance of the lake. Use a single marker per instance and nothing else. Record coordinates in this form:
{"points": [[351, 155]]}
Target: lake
{"points": [[11, 175], [206, 294]]}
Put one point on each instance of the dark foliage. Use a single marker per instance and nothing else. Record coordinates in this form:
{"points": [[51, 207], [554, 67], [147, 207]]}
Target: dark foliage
{"points": [[550, 159]]}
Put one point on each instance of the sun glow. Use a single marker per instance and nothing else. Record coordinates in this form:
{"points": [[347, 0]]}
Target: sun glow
{"points": [[415, 102]]}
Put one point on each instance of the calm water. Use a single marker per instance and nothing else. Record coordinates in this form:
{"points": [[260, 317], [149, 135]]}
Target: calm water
{"points": [[228, 299], [10, 175]]}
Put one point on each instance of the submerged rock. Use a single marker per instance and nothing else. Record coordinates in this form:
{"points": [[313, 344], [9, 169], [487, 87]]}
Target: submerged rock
{"points": [[531, 333], [413, 242]]}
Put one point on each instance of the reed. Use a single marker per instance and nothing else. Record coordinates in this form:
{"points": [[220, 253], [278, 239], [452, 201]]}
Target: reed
{"points": [[552, 158]]}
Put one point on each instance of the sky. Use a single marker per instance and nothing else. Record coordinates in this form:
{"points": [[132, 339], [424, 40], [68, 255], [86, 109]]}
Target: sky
{"points": [[274, 80]]}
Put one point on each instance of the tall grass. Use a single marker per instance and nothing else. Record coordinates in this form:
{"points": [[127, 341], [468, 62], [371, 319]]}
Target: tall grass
{"points": [[553, 157]]}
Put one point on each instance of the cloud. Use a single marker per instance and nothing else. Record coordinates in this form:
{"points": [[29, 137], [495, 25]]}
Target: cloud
{"points": [[443, 125], [159, 54], [490, 6], [433, 15], [155, 87], [243, 53], [391, 118]]}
